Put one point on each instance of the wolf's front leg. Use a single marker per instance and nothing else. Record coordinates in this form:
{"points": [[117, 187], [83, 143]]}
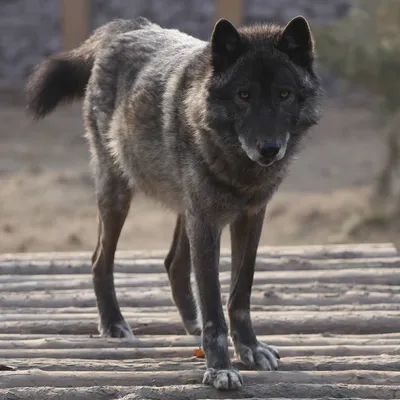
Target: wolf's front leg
{"points": [[245, 236], [204, 239]]}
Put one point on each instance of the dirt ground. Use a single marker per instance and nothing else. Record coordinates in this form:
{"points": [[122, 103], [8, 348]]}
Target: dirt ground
{"points": [[47, 200]]}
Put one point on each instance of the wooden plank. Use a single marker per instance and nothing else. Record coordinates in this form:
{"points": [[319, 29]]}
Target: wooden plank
{"points": [[75, 22], [156, 266], [170, 352], [311, 292], [261, 301], [35, 378], [258, 305], [303, 363], [360, 276], [162, 297], [357, 322], [348, 251], [282, 304], [183, 392], [150, 341], [324, 339], [232, 10]]}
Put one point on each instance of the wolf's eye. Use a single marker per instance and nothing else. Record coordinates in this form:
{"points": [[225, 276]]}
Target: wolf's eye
{"points": [[284, 94], [244, 95]]}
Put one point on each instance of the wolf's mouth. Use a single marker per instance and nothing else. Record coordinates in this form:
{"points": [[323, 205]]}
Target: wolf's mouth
{"points": [[265, 163]]}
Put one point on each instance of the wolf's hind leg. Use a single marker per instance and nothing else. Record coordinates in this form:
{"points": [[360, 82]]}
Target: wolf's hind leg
{"points": [[113, 201], [177, 264]]}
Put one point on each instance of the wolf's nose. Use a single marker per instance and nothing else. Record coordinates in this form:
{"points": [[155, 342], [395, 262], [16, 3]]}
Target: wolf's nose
{"points": [[269, 148]]}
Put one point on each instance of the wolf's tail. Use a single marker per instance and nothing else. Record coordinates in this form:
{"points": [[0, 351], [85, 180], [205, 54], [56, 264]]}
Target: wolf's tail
{"points": [[61, 78], [64, 76]]}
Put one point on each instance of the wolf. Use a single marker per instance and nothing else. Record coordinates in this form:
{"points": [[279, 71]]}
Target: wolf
{"points": [[206, 128]]}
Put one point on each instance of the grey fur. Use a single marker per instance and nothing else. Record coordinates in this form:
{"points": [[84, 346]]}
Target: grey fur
{"points": [[206, 128]]}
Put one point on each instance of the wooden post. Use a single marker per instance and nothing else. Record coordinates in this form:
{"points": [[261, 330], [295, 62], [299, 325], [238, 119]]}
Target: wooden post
{"points": [[75, 19], [232, 10]]}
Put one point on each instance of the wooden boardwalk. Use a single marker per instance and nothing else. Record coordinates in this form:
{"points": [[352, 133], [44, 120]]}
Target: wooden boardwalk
{"points": [[333, 312]]}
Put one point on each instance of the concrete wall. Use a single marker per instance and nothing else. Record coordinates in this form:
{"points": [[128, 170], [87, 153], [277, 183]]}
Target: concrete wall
{"points": [[30, 29]]}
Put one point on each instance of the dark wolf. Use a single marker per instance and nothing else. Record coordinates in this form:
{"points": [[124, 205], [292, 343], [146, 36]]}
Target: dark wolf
{"points": [[207, 128]]}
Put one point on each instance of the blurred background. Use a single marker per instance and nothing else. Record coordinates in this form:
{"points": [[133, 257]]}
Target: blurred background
{"points": [[342, 188]]}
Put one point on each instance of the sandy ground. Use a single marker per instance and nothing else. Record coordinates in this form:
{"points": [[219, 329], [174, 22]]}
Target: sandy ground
{"points": [[47, 201]]}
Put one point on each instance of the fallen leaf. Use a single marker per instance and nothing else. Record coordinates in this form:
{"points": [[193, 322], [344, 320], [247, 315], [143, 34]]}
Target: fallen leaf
{"points": [[199, 353]]}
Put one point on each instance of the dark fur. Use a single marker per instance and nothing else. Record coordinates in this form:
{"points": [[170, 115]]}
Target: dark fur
{"points": [[195, 126]]}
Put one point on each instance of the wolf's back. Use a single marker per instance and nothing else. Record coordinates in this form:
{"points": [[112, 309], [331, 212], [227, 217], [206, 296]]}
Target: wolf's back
{"points": [[64, 76]]}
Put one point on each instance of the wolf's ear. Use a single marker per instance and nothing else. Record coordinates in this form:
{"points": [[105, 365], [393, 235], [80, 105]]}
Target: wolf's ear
{"points": [[297, 42], [225, 45]]}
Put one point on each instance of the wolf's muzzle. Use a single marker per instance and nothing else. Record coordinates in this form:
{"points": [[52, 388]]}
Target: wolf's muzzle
{"points": [[269, 149]]}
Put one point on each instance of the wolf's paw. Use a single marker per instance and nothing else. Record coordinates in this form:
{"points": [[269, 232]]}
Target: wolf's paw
{"points": [[119, 330], [259, 357], [223, 379]]}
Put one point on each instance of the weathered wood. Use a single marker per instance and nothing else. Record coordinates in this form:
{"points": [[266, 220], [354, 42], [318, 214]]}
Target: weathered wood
{"points": [[379, 362], [313, 252], [286, 390], [305, 363], [297, 339], [72, 312], [160, 352], [274, 323], [35, 378], [311, 292], [75, 21], [8, 282], [377, 276], [284, 293], [76, 342], [232, 10], [132, 313], [148, 299], [85, 298], [130, 365], [156, 265], [134, 397]]}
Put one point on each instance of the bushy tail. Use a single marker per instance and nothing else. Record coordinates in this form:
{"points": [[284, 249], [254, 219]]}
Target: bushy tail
{"points": [[64, 77], [60, 78]]}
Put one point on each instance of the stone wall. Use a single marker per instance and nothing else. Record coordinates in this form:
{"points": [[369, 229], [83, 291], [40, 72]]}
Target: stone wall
{"points": [[30, 29], [197, 16]]}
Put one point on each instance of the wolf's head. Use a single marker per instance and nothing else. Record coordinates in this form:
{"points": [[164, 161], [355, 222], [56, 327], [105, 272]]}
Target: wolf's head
{"points": [[263, 92]]}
